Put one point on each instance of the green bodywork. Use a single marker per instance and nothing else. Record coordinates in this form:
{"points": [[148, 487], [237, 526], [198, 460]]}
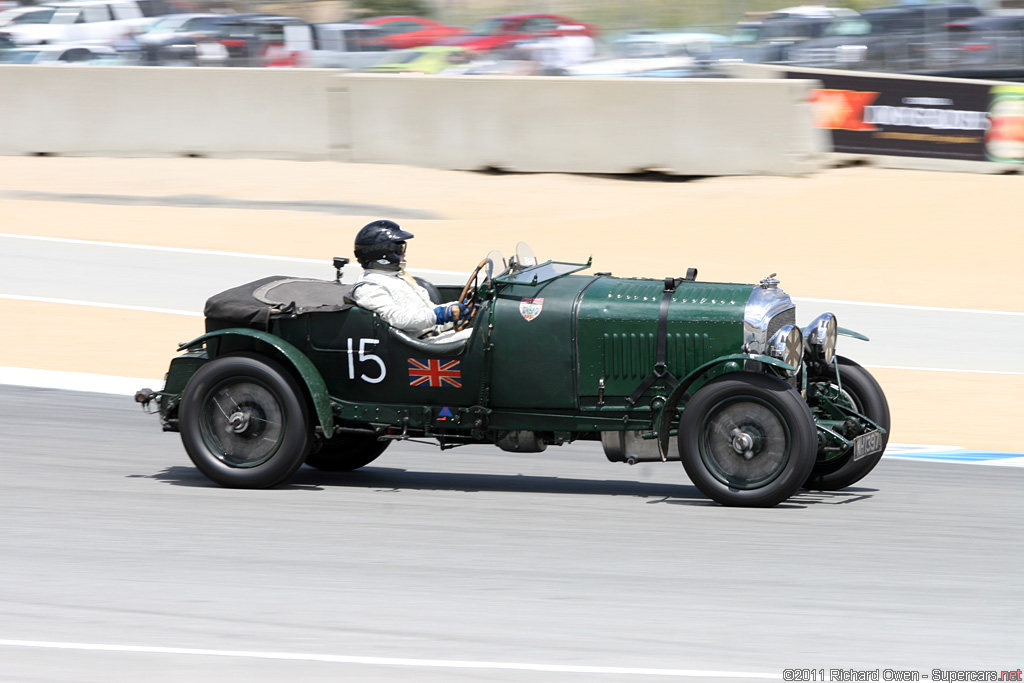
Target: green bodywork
{"points": [[552, 351]]}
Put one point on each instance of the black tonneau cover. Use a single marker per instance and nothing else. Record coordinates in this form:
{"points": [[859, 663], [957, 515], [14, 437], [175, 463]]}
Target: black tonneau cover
{"points": [[255, 304]]}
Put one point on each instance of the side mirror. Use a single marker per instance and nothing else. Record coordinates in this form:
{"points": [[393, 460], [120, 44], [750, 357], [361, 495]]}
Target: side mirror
{"points": [[339, 263]]}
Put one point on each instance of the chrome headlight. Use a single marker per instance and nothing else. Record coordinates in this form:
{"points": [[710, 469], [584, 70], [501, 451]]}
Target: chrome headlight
{"points": [[821, 337], [788, 346]]}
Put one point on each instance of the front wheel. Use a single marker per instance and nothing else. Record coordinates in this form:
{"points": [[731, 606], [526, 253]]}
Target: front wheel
{"points": [[747, 440], [346, 453], [858, 390], [244, 422]]}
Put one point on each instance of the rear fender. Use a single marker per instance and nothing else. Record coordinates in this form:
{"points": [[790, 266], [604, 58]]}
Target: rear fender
{"points": [[222, 342], [663, 420]]}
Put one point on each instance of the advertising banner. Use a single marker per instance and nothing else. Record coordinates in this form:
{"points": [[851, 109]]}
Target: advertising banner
{"points": [[940, 119]]}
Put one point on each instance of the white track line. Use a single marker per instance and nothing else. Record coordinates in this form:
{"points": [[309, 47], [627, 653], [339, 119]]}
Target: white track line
{"points": [[390, 661], [76, 381], [201, 252], [934, 309], [96, 304], [1004, 462], [149, 247], [994, 462], [974, 372]]}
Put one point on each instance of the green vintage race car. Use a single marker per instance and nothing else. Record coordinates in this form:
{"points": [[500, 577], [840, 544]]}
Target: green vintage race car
{"points": [[716, 375]]}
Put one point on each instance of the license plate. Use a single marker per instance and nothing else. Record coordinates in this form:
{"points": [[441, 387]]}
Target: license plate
{"points": [[867, 444]]}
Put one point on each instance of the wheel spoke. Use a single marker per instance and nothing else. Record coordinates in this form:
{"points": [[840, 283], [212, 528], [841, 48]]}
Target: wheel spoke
{"points": [[223, 412]]}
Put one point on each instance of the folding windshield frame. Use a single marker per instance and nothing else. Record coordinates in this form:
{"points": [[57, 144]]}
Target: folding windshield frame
{"points": [[541, 273]]}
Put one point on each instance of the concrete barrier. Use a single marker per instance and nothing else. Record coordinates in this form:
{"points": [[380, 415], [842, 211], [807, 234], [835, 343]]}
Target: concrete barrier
{"points": [[583, 125], [155, 111], [571, 125]]}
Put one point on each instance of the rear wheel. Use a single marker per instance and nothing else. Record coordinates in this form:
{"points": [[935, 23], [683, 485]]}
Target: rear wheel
{"points": [[862, 393], [346, 453], [244, 422], [748, 440]]}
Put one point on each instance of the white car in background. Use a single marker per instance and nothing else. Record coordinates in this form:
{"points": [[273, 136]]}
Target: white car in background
{"points": [[642, 52], [79, 21], [812, 12], [93, 55], [338, 46]]}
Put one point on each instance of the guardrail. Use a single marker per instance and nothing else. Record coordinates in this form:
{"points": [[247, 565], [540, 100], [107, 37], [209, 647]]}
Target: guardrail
{"points": [[535, 124]]}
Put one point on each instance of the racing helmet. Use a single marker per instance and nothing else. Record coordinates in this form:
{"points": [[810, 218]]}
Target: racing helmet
{"points": [[381, 244]]}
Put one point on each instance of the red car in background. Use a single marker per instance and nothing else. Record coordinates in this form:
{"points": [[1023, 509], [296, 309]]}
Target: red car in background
{"points": [[403, 33], [498, 32]]}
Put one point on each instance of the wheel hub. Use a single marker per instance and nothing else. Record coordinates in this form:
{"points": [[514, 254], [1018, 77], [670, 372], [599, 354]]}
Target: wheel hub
{"points": [[238, 422], [742, 443]]}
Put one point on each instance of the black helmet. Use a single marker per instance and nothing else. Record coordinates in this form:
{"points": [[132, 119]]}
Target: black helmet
{"points": [[381, 244]]}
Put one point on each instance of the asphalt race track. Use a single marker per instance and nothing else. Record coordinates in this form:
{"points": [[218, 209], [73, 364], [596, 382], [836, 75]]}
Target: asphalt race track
{"points": [[120, 562]]}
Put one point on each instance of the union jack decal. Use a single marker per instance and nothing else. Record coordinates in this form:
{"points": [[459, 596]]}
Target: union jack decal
{"points": [[434, 373]]}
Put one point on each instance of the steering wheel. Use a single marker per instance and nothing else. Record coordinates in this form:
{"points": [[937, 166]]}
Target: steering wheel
{"points": [[470, 295]]}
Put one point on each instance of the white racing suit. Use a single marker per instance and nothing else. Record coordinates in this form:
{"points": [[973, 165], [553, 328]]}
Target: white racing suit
{"points": [[403, 304]]}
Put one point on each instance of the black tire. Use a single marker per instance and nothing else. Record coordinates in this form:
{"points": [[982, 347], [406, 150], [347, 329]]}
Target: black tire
{"points": [[757, 412], [244, 422], [346, 453], [434, 292], [866, 397]]}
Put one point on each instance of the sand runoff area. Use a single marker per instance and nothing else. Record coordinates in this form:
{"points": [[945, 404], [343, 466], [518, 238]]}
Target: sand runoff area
{"points": [[864, 234]]}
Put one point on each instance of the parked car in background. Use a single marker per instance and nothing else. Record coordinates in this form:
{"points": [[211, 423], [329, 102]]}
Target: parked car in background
{"points": [[61, 54], [499, 32], [770, 39], [648, 51], [402, 33], [250, 37], [336, 46], [885, 39], [429, 59], [172, 38], [83, 20], [979, 43]]}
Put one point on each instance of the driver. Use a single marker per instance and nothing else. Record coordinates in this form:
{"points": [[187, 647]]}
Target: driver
{"points": [[388, 291]]}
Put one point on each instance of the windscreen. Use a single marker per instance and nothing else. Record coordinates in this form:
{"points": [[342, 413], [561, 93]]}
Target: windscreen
{"points": [[542, 273], [849, 27], [486, 27], [40, 17]]}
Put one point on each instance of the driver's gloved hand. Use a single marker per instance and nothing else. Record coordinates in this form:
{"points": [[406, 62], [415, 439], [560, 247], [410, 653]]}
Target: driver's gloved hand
{"points": [[450, 313]]}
